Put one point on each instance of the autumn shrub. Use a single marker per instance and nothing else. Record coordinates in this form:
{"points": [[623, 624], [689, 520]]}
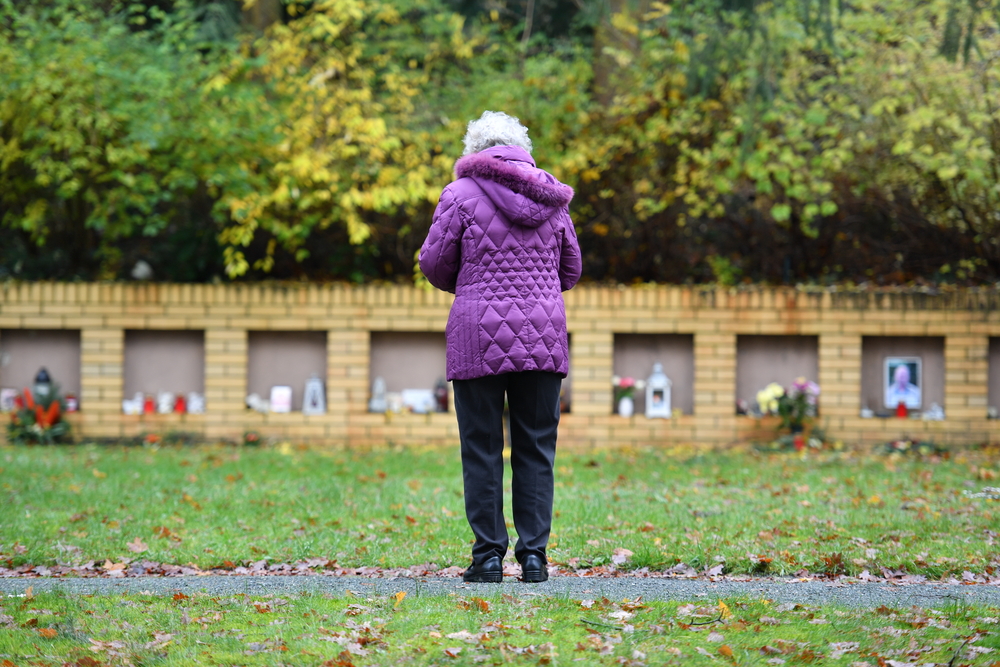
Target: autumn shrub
{"points": [[709, 141], [110, 135]]}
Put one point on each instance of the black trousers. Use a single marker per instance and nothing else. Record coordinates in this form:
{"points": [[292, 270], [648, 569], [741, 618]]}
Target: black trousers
{"points": [[533, 401]]}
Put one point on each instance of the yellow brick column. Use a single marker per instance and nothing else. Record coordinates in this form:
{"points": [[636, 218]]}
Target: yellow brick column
{"points": [[839, 379], [102, 353], [966, 378], [590, 390], [225, 381], [346, 381], [714, 386]]}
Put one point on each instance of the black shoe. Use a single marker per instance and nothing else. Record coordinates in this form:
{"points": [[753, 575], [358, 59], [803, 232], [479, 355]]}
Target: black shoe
{"points": [[489, 571], [534, 569]]}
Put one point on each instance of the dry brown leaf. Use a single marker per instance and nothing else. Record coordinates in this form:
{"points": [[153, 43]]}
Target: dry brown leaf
{"points": [[137, 546], [48, 633]]}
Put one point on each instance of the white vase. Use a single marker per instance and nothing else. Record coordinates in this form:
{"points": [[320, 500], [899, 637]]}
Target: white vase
{"points": [[626, 406]]}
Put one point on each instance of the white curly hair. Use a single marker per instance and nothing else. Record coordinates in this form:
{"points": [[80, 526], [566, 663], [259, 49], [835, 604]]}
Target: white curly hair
{"points": [[495, 128]]}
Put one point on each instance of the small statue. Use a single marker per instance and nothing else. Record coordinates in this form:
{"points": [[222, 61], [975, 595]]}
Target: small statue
{"points": [[165, 402], [258, 403], [195, 403], [378, 401]]}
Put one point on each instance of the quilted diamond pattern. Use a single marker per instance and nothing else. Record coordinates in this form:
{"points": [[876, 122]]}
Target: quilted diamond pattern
{"points": [[503, 242]]}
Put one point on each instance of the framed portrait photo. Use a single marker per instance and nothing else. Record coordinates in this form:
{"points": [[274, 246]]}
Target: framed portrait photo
{"points": [[902, 380]]}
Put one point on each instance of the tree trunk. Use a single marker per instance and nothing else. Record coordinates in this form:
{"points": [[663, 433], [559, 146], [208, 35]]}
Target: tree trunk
{"points": [[262, 13], [608, 79]]}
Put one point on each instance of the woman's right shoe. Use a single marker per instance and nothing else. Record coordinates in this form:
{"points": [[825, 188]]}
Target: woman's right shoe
{"points": [[534, 569], [490, 571]]}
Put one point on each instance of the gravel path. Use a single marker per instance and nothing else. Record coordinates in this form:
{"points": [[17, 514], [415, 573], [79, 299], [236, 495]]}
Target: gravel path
{"points": [[864, 595]]}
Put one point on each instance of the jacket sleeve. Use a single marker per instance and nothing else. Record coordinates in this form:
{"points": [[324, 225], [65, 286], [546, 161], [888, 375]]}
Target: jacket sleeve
{"points": [[440, 254], [570, 261]]}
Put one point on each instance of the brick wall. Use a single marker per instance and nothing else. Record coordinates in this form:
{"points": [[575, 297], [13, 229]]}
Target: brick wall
{"points": [[715, 317]]}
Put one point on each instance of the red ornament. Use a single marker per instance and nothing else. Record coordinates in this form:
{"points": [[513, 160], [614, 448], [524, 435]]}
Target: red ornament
{"points": [[148, 406], [901, 410], [180, 405], [799, 441]]}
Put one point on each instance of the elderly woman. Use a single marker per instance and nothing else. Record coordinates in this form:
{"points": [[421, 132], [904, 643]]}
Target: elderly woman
{"points": [[502, 241]]}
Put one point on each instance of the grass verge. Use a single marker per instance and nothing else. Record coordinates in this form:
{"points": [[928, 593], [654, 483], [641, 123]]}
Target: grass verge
{"points": [[838, 513], [89, 631]]}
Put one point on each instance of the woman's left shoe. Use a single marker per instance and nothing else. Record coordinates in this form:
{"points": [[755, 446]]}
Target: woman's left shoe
{"points": [[489, 571], [534, 569]]}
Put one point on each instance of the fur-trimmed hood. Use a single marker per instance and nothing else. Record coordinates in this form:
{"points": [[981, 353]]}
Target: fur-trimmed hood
{"points": [[526, 195]]}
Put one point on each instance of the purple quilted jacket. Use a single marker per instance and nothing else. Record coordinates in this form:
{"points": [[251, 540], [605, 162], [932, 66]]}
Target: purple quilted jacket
{"points": [[502, 241]]}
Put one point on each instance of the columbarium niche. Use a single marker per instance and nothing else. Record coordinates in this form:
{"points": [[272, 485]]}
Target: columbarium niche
{"points": [[411, 365], [285, 358], [24, 351], [164, 362], [761, 360], [635, 354], [924, 358]]}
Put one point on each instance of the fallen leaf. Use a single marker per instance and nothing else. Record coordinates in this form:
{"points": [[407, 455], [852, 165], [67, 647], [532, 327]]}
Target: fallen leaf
{"points": [[137, 546], [180, 596], [725, 651], [453, 652], [481, 604], [620, 555], [399, 598], [715, 637], [48, 633], [724, 611], [98, 474], [355, 648]]}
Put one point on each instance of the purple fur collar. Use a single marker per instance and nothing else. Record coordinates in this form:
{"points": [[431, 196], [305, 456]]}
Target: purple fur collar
{"points": [[485, 165]]}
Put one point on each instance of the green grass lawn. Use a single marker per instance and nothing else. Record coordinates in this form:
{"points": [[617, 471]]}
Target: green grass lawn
{"points": [[832, 513], [89, 631]]}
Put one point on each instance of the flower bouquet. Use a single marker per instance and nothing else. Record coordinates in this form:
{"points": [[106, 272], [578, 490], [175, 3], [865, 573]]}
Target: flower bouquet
{"points": [[794, 405], [625, 388], [39, 422]]}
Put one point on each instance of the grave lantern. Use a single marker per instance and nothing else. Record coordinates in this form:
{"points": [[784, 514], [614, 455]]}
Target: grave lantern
{"points": [[43, 384], [658, 394]]}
